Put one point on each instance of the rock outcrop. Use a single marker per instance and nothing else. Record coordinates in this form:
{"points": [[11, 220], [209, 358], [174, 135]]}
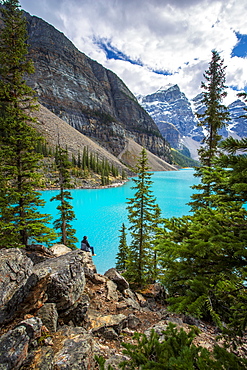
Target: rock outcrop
{"points": [[86, 95], [59, 313]]}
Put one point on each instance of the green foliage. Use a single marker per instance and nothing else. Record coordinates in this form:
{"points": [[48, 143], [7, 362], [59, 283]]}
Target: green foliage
{"points": [[213, 119], [123, 251], [66, 213], [141, 210], [174, 351], [203, 257], [19, 202], [215, 115], [182, 160]]}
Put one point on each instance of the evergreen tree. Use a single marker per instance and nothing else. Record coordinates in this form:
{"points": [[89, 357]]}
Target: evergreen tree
{"points": [[123, 251], [19, 218], [216, 114], [79, 159], [213, 119], [141, 211], [67, 233], [203, 256]]}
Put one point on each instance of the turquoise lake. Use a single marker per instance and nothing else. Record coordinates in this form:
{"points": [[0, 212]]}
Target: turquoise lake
{"points": [[101, 212]]}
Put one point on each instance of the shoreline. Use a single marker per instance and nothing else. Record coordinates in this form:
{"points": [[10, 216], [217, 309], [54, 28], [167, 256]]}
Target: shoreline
{"points": [[89, 187]]}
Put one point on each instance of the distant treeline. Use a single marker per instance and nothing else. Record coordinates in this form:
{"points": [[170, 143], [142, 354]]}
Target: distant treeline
{"points": [[85, 163]]}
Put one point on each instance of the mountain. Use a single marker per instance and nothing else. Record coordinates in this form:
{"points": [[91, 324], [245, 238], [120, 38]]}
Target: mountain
{"points": [[51, 126], [90, 98], [175, 115]]}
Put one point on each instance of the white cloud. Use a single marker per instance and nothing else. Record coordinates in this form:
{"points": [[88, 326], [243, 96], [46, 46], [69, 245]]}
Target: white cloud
{"points": [[175, 36]]}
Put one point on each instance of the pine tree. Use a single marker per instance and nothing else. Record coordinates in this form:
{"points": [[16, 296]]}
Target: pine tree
{"points": [[20, 219], [213, 119], [79, 159], [67, 233], [141, 211], [203, 257], [216, 114], [123, 251]]}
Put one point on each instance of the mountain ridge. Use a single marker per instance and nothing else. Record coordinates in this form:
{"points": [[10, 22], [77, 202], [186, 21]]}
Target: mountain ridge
{"points": [[86, 95], [175, 115]]}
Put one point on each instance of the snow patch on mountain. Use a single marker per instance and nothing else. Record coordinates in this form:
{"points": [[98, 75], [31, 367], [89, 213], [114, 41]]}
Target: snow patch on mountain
{"points": [[176, 117]]}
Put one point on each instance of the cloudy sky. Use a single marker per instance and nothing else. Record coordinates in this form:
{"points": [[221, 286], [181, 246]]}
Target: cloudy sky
{"points": [[152, 43]]}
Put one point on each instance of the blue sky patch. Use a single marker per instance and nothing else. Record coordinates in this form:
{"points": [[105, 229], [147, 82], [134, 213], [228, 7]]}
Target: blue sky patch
{"points": [[240, 50], [113, 53], [162, 72]]}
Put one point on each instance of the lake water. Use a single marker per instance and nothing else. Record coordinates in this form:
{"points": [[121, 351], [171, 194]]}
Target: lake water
{"points": [[100, 213]]}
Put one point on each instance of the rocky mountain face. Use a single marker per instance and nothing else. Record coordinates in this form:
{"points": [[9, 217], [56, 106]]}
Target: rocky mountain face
{"points": [[57, 312], [176, 117], [89, 97]]}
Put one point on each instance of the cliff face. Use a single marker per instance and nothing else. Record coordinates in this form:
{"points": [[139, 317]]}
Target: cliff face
{"points": [[89, 97]]}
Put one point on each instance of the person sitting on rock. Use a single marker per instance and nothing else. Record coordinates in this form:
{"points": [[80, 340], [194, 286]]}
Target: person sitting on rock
{"points": [[85, 246]]}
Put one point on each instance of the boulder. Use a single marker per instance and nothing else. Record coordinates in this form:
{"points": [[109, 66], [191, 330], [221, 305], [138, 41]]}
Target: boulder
{"points": [[156, 292], [77, 350], [159, 328], [38, 253], [118, 279], [76, 314], [89, 267], [133, 321], [48, 314], [59, 250], [15, 283], [98, 323], [14, 344], [131, 299], [15, 269], [111, 291], [67, 279]]}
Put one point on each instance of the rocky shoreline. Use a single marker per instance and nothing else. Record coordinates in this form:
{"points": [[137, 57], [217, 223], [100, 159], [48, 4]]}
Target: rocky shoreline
{"points": [[88, 186], [57, 312]]}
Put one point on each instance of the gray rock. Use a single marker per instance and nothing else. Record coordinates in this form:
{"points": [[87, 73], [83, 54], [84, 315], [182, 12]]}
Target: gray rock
{"points": [[67, 279], [48, 314], [38, 253], [14, 345], [43, 361], [158, 328], [108, 333], [133, 321], [111, 291], [15, 269], [118, 279], [15, 283], [76, 313], [33, 327], [77, 352], [13, 348], [131, 299], [100, 324], [114, 361], [59, 250]]}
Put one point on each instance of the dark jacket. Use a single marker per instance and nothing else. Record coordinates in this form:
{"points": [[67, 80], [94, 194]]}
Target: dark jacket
{"points": [[85, 246]]}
